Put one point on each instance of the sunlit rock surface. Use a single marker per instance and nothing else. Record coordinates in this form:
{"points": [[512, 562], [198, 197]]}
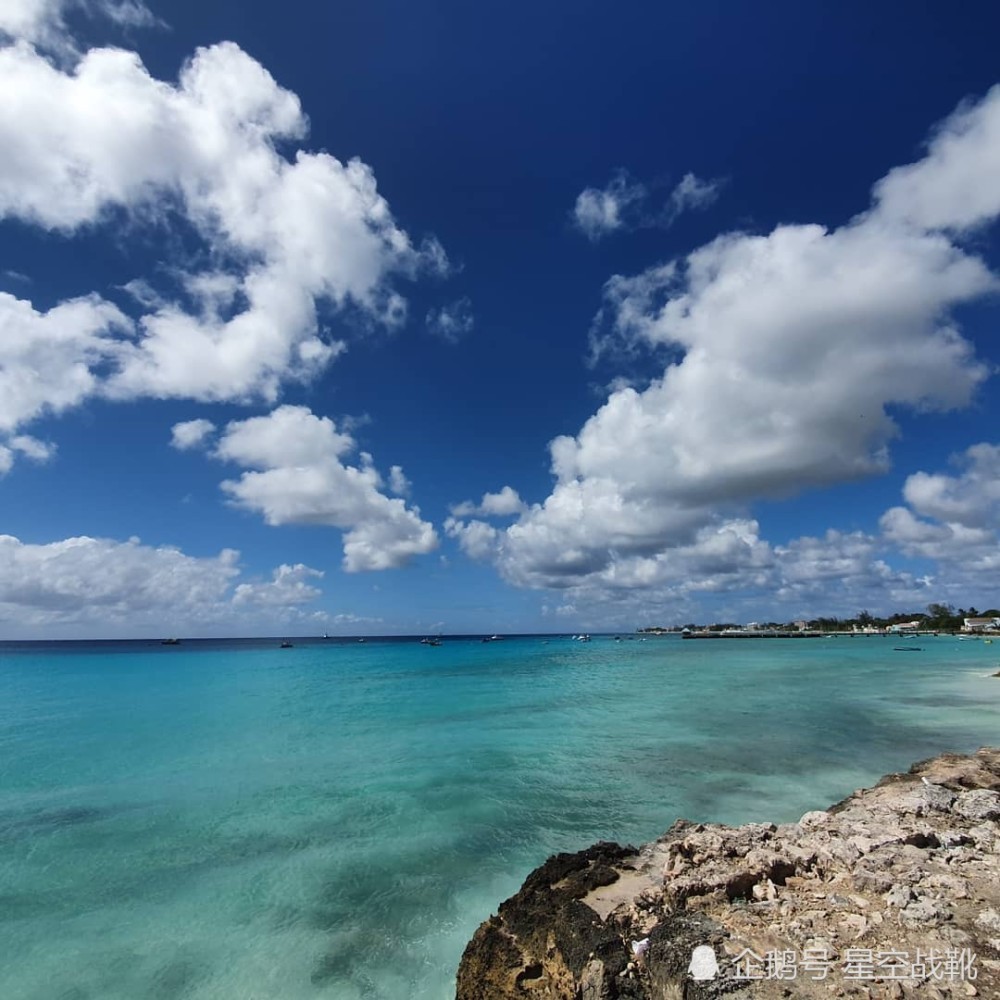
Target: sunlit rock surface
{"points": [[894, 892]]}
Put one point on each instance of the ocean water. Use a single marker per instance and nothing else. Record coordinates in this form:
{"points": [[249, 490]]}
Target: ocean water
{"points": [[235, 821]]}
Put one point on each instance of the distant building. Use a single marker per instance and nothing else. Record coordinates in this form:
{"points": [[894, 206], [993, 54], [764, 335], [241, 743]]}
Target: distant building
{"points": [[801, 626], [981, 625], [913, 626]]}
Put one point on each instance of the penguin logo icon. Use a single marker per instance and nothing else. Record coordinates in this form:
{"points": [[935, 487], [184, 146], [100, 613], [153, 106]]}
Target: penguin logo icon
{"points": [[704, 964]]}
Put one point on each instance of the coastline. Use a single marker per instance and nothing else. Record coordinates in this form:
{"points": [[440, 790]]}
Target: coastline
{"points": [[907, 868], [166, 821]]}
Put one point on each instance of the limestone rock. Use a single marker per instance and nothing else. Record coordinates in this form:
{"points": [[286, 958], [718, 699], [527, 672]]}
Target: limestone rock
{"points": [[978, 805], [909, 864]]}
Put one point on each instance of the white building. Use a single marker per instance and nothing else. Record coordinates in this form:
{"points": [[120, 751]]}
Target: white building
{"points": [[981, 625]]}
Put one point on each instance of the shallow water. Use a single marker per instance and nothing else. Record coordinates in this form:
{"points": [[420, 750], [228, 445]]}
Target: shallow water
{"points": [[232, 820]]}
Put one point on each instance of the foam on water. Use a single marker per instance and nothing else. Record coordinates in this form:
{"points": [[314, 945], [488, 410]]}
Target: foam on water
{"points": [[238, 821]]}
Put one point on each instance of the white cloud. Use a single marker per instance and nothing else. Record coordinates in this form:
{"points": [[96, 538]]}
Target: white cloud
{"points": [[954, 187], [289, 238], [477, 539], [506, 503], [89, 579], [452, 322], [297, 477], [728, 573], [503, 504], [795, 347], [48, 362], [971, 499], [81, 576], [598, 211], [101, 586], [690, 194], [31, 447], [623, 205], [48, 359], [289, 585], [190, 434], [953, 520], [348, 619], [42, 22], [128, 13], [37, 21], [398, 482]]}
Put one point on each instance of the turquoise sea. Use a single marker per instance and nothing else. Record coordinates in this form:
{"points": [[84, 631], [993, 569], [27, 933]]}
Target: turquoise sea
{"points": [[234, 821]]}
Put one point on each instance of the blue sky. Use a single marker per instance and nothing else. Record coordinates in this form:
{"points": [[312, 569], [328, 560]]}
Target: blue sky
{"points": [[382, 317]]}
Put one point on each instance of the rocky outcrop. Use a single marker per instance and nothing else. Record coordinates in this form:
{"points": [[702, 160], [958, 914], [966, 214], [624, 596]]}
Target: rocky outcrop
{"points": [[894, 892]]}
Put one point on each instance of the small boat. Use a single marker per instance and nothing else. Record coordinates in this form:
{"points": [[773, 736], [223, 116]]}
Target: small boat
{"points": [[908, 649], [170, 642], [285, 645]]}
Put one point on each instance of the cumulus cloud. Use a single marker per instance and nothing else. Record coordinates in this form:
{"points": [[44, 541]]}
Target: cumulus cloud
{"points": [[952, 519], [296, 476], [290, 239], [49, 361], [38, 451], [39, 22], [954, 186], [26, 445], [452, 322], [477, 539], [972, 498], [503, 504], [42, 23], [624, 204], [288, 585], [89, 584], [190, 434], [789, 352], [727, 572], [398, 482], [28, 19], [80, 575]]}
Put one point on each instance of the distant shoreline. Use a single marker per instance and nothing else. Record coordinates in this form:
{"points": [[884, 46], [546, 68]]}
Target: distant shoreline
{"points": [[785, 634]]}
